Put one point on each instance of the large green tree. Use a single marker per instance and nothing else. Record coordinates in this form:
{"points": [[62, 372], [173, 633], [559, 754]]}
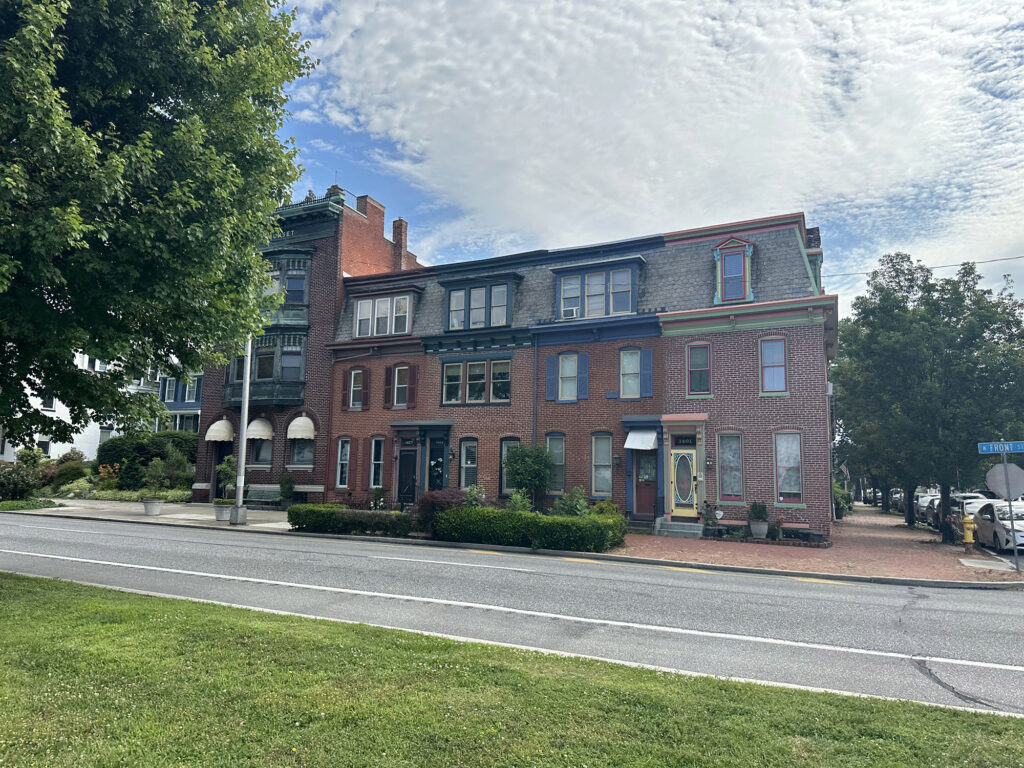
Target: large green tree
{"points": [[927, 369], [140, 166]]}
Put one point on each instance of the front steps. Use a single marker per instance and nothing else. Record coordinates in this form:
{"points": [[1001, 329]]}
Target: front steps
{"points": [[678, 530]]}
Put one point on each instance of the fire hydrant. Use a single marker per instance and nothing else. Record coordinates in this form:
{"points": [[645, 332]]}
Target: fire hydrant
{"points": [[969, 526]]}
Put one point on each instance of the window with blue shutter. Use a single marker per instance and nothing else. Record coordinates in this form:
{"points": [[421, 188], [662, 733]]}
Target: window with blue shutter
{"points": [[646, 373], [551, 378], [582, 376]]}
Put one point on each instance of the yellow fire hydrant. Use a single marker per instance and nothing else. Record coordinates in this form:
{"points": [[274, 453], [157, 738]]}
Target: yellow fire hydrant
{"points": [[969, 526]]}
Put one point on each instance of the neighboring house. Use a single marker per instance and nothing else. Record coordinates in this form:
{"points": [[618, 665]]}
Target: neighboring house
{"points": [[94, 433], [661, 372], [182, 399], [322, 240]]}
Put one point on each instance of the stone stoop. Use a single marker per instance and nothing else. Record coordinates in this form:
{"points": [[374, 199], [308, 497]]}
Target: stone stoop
{"points": [[679, 530]]}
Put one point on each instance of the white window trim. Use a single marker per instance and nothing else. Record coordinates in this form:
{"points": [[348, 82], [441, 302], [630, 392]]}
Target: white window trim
{"points": [[352, 388], [374, 464], [504, 444], [593, 466], [347, 462], [575, 378], [191, 387], [628, 292], [490, 382], [444, 383], [387, 315], [407, 315], [368, 303], [462, 460], [547, 444], [170, 388], [578, 297], [394, 388], [486, 381], [604, 294]]}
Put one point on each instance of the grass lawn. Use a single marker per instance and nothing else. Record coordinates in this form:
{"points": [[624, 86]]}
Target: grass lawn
{"points": [[91, 677], [14, 506]]}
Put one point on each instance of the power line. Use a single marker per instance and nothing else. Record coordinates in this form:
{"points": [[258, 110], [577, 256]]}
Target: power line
{"points": [[941, 266]]}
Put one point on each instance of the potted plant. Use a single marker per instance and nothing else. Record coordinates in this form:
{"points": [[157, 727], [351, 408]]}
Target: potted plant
{"points": [[757, 514], [152, 507], [287, 484], [226, 475]]}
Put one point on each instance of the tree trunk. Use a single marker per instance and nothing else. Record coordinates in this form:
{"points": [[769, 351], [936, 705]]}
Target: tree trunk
{"points": [[909, 513], [886, 494], [945, 526]]}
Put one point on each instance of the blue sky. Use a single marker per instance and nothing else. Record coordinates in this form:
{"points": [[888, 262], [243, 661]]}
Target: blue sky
{"points": [[507, 125]]}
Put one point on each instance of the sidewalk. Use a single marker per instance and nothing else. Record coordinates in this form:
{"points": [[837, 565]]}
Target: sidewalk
{"points": [[866, 543]]}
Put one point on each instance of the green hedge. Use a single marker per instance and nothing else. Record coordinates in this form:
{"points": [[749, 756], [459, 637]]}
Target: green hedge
{"points": [[483, 525], [173, 495], [334, 518], [14, 506]]}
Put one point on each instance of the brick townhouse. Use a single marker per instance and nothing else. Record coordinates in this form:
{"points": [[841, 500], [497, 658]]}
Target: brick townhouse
{"points": [[322, 240], [660, 372]]}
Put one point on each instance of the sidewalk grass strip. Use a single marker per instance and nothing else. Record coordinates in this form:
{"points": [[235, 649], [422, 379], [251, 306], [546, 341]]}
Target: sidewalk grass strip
{"points": [[94, 677]]}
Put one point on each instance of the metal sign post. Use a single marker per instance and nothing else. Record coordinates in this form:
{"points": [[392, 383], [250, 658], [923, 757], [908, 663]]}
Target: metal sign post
{"points": [[1003, 448], [238, 513]]}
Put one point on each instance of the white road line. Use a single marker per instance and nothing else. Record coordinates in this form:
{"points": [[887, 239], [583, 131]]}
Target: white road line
{"points": [[536, 614], [449, 562], [55, 528], [549, 651]]}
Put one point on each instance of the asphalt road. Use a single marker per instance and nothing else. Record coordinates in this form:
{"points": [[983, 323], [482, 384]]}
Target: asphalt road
{"points": [[951, 647]]}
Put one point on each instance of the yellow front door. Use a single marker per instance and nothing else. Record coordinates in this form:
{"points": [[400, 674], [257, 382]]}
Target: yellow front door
{"points": [[684, 483]]}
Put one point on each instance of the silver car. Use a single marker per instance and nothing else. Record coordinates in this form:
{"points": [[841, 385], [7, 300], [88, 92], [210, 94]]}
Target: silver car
{"points": [[993, 521]]}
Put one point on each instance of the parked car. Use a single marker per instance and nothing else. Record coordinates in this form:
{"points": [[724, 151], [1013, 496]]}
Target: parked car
{"points": [[993, 521]]}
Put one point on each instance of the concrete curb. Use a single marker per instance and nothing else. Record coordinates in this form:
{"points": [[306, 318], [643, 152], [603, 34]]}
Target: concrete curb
{"points": [[596, 556]]}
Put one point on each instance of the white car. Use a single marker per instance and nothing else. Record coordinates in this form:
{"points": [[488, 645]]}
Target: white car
{"points": [[993, 521]]}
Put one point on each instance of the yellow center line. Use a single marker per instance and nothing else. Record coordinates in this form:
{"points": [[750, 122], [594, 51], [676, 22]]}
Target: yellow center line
{"points": [[820, 581]]}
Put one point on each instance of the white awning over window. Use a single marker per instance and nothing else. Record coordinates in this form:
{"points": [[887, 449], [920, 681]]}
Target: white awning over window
{"points": [[220, 431], [259, 429], [301, 428], [642, 439]]}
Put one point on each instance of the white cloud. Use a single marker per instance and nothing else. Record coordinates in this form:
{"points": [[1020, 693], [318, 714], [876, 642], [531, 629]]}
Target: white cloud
{"points": [[561, 122]]}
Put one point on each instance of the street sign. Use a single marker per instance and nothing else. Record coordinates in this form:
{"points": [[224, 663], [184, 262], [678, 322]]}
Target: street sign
{"points": [[997, 479], [1005, 446]]}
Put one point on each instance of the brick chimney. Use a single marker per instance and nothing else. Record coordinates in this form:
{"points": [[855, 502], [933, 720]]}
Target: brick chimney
{"points": [[399, 243]]}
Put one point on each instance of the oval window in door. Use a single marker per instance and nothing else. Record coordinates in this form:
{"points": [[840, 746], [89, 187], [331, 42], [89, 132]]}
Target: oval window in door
{"points": [[684, 478]]}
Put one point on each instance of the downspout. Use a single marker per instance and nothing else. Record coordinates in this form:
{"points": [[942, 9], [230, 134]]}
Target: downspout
{"points": [[535, 358]]}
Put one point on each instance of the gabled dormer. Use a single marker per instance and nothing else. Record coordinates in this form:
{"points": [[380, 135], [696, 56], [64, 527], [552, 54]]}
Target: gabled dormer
{"points": [[732, 271]]}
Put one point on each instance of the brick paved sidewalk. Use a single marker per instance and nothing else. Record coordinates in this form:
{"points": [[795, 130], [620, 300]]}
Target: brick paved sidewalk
{"points": [[866, 543]]}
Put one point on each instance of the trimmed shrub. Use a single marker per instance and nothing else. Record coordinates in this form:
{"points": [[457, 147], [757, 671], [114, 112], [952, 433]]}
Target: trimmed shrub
{"points": [[530, 468], [186, 443], [432, 502], [605, 507], [333, 518], [131, 477], [73, 455], [484, 525], [475, 496], [519, 502], [68, 472], [173, 495], [17, 481], [574, 503], [78, 488]]}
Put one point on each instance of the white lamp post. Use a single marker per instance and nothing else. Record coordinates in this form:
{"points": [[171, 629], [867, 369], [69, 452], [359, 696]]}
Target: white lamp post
{"points": [[238, 513]]}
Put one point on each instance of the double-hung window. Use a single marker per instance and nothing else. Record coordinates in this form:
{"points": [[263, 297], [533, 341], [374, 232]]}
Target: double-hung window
{"points": [[291, 365], [595, 304], [501, 381], [401, 396], [453, 382], [265, 366], [506, 444], [467, 463], [601, 469], [486, 305], [295, 289], [377, 462], [570, 297], [733, 287], [698, 369], [730, 467], [567, 370], [788, 467], [476, 382], [260, 452], [400, 315], [382, 317], [629, 373], [732, 271], [773, 365], [364, 310], [341, 480], [597, 293], [621, 291], [169, 391], [190, 390], [302, 452], [556, 447], [355, 390]]}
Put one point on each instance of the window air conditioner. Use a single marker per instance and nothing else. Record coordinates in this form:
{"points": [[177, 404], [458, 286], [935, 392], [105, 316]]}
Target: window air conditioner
{"points": [[570, 313]]}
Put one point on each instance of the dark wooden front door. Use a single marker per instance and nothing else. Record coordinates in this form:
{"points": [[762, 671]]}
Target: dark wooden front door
{"points": [[407, 477], [646, 485]]}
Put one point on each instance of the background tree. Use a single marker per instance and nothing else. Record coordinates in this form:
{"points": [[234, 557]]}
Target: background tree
{"points": [[529, 469], [139, 170], [926, 370]]}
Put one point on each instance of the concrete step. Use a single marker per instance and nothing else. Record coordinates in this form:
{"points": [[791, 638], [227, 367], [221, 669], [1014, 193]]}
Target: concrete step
{"points": [[681, 530]]}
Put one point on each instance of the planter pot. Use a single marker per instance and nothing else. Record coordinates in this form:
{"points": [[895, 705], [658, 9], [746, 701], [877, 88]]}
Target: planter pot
{"points": [[759, 529], [222, 512], [152, 507]]}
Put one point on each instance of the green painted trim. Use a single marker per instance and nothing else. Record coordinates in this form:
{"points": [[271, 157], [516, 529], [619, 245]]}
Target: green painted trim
{"points": [[775, 470], [790, 506], [699, 397], [807, 264], [739, 325], [801, 304], [773, 394], [731, 503], [739, 226]]}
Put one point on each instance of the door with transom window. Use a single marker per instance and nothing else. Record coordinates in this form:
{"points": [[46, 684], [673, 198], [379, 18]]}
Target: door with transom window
{"points": [[684, 483]]}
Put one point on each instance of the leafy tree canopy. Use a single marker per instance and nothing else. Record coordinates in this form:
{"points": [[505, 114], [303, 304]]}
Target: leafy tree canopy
{"points": [[139, 171]]}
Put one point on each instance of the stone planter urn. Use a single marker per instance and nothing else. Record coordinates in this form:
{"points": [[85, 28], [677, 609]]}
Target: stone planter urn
{"points": [[222, 512], [759, 529], [152, 507], [757, 516]]}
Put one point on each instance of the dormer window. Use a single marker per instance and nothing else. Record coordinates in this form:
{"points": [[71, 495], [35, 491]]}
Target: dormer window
{"points": [[384, 316], [478, 306], [732, 271], [597, 290]]}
